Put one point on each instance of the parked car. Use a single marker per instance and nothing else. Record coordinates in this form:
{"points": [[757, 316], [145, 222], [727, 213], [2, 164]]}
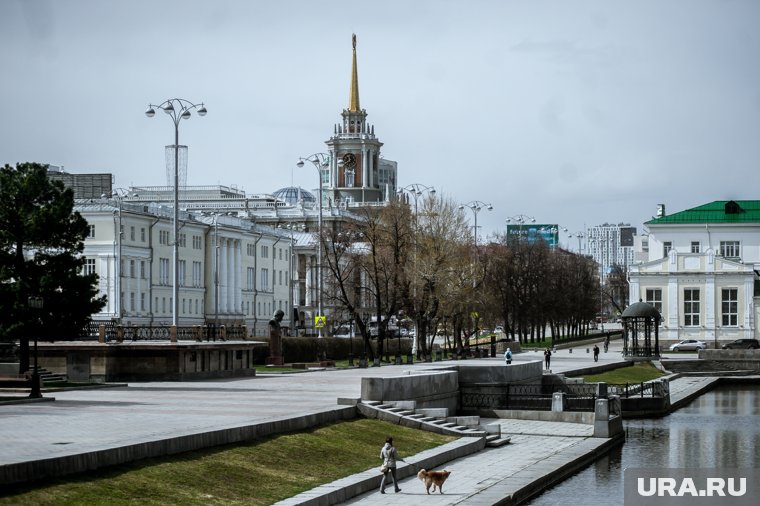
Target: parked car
{"points": [[688, 345], [499, 329], [742, 344]]}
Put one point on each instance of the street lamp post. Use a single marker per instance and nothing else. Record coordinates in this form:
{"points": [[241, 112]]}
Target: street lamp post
{"points": [[320, 161], [476, 206], [177, 109], [520, 219], [292, 269], [416, 190], [35, 303], [580, 236]]}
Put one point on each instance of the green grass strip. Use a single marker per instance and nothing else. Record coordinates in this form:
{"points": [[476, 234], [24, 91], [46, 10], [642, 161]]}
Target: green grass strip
{"points": [[637, 373], [262, 472]]}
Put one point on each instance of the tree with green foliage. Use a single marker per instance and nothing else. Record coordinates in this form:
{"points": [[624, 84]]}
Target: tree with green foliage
{"points": [[41, 244]]}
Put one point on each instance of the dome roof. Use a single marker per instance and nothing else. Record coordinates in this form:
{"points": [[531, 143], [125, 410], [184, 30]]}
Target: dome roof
{"points": [[641, 309], [291, 195]]}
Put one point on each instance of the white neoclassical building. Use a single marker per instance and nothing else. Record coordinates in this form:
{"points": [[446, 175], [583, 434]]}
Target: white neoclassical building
{"points": [[230, 270], [701, 269]]}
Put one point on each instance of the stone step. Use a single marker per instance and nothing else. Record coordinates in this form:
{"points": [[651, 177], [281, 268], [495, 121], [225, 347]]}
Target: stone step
{"points": [[495, 442]]}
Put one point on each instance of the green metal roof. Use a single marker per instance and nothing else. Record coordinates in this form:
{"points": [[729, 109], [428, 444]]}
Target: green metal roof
{"points": [[720, 211]]}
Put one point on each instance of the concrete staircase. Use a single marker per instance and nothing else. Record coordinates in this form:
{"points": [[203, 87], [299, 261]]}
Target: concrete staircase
{"points": [[47, 376], [432, 419]]}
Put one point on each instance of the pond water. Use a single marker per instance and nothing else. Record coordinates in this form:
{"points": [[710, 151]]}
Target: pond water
{"points": [[718, 429]]}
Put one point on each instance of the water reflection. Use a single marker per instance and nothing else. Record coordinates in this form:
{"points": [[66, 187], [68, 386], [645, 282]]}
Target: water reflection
{"points": [[719, 429]]}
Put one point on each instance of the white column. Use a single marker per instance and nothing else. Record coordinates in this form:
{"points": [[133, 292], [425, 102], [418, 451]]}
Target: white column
{"points": [[309, 280], [230, 277], [222, 275], [237, 276]]}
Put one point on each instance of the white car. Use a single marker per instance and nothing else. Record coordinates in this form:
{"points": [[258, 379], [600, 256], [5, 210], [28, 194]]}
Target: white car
{"points": [[688, 345]]}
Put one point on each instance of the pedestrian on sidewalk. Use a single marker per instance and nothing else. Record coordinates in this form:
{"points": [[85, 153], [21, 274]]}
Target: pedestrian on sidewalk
{"points": [[508, 356], [596, 353], [607, 342], [389, 456], [547, 357]]}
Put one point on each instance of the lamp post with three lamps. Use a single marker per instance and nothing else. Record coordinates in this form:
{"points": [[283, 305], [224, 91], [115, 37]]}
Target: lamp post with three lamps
{"points": [[177, 109], [476, 206], [320, 161]]}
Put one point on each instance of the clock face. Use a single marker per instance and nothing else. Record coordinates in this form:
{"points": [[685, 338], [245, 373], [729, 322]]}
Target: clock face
{"points": [[349, 160]]}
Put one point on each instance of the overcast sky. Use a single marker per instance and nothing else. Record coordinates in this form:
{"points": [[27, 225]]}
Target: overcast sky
{"points": [[572, 112]]}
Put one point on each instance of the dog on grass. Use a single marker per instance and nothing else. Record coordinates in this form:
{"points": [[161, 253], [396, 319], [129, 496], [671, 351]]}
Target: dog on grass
{"points": [[433, 479]]}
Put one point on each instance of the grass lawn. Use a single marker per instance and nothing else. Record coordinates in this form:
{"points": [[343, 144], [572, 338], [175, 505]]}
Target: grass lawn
{"points": [[637, 373], [262, 472]]}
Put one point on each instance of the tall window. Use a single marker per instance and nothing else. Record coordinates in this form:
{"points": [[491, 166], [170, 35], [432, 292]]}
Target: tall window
{"points": [[89, 266], [265, 279], [163, 272], [142, 301], [143, 274], [91, 232], [729, 307], [132, 273], [654, 297], [132, 301], [183, 240], [350, 178], [264, 251], [691, 307], [197, 269], [250, 278], [181, 273], [666, 247], [131, 233], [695, 246], [163, 237], [729, 249], [142, 234]]}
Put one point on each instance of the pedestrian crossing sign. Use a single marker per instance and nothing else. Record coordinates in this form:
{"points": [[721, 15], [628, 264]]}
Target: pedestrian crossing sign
{"points": [[320, 322]]}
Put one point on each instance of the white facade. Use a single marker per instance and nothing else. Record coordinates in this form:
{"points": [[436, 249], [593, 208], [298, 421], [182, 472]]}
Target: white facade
{"points": [[701, 276], [230, 270]]}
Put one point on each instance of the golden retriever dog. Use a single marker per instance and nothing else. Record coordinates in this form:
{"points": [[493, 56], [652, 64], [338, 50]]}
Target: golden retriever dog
{"points": [[433, 478]]}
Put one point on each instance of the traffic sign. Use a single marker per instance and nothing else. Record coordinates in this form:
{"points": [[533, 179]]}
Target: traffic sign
{"points": [[320, 322]]}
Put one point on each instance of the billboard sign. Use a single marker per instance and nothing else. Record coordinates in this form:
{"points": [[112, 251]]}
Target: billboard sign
{"points": [[533, 233]]}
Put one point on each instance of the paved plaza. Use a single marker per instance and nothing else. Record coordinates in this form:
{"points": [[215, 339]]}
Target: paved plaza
{"points": [[81, 421]]}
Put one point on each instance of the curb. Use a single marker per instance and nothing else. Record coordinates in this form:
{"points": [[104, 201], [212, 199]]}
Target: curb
{"points": [[351, 486]]}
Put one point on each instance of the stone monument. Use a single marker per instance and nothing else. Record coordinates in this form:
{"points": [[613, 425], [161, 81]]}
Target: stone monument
{"points": [[275, 339]]}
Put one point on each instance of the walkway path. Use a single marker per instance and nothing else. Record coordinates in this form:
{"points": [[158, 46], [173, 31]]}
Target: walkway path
{"points": [[81, 421]]}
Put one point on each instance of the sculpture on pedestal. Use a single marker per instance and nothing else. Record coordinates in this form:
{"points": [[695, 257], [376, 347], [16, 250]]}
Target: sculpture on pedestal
{"points": [[275, 339]]}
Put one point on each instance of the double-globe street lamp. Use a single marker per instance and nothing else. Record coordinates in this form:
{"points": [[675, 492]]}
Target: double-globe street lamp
{"points": [[320, 161], [177, 109], [476, 206], [416, 190]]}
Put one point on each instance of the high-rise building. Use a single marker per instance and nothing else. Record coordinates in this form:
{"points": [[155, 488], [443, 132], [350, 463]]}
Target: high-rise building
{"points": [[611, 245], [85, 186]]}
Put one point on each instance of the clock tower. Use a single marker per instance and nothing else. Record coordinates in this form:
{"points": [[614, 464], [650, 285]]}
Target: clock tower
{"points": [[357, 174]]}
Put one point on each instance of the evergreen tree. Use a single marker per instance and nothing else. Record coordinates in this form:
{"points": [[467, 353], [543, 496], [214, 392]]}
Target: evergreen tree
{"points": [[41, 244]]}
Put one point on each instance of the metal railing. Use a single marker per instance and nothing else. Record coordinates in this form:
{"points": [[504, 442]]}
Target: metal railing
{"points": [[628, 390], [160, 332], [580, 397]]}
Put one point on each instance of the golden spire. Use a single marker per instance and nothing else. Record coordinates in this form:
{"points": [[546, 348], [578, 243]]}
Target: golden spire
{"points": [[353, 99]]}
